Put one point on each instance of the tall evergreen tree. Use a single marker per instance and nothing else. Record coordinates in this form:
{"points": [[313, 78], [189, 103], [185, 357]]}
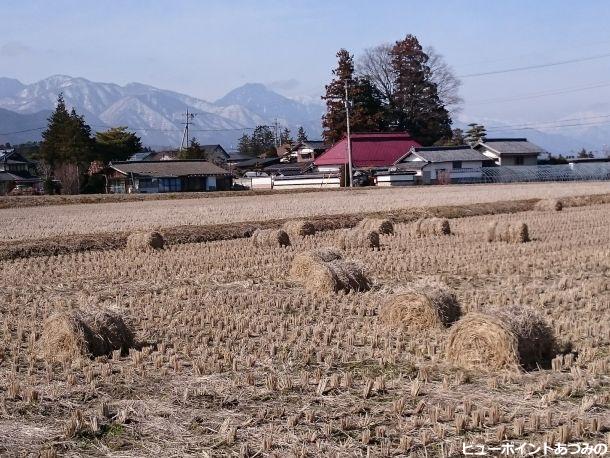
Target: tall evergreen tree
{"points": [[286, 137], [55, 136], [243, 145], [416, 106], [116, 144], [301, 135], [367, 113], [194, 151], [475, 134]]}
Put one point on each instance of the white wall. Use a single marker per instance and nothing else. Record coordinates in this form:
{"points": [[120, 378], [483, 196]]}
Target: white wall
{"points": [[395, 180]]}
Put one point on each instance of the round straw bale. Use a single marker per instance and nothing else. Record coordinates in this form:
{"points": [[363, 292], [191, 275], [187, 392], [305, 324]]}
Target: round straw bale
{"points": [[145, 241], [422, 305], [549, 205], [84, 333], [324, 270], [508, 231], [511, 338], [383, 226], [358, 238], [270, 238], [299, 228], [303, 262], [432, 226]]}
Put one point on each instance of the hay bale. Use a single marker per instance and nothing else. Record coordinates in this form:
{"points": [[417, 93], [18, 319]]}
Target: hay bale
{"points": [[383, 226], [508, 338], [431, 226], [508, 231], [549, 205], [270, 238], [145, 241], [84, 333], [422, 305], [358, 238], [325, 271], [299, 228]]}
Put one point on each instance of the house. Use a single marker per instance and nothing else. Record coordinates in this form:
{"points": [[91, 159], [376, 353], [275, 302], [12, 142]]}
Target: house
{"points": [[142, 156], [435, 164], [369, 151], [309, 150], [510, 151], [289, 169], [254, 164], [16, 171], [213, 153], [166, 176]]}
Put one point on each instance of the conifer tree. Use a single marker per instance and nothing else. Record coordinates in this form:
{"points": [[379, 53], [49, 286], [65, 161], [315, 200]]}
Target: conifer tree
{"points": [[475, 134], [301, 135], [416, 106], [367, 113]]}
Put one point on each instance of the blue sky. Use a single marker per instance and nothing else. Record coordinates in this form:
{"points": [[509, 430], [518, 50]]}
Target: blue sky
{"points": [[206, 48]]}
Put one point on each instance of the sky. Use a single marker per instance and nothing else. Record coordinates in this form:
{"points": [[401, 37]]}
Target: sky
{"points": [[206, 48]]}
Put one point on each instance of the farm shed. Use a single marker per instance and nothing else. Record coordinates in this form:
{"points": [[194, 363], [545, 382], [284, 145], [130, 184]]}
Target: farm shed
{"points": [[166, 176], [510, 151], [376, 150]]}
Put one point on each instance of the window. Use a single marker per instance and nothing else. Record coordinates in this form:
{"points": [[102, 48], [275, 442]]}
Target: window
{"points": [[169, 185], [519, 160], [457, 164]]}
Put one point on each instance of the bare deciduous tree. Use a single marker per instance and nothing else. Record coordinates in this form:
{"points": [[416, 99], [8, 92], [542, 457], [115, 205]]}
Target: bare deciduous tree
{"points": [[376, 64]]}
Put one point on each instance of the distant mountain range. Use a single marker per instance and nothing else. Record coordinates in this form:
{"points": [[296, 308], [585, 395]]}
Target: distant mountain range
{"points": [[157, 114]]}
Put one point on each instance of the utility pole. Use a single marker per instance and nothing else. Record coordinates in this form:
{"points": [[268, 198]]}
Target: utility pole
{"points": [[349, 141], [188, 120], [276, 140]]}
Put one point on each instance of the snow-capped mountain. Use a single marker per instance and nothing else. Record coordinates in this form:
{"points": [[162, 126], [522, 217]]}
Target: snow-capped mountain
{"points": [[157, 114]]}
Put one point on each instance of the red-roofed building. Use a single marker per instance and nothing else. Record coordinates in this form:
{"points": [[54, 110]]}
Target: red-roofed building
{"points": [[374, 150]]}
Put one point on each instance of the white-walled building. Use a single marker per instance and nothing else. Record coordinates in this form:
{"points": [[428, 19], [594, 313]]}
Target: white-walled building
{"points": [[510, 151]]}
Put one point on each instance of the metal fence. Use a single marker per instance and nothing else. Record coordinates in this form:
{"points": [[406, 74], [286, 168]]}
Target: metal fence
{"points": [[522, 173]]}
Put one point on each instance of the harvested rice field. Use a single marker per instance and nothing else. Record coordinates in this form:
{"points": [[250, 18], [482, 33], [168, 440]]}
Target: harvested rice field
{"points": [[433, 340], [48, 221]]}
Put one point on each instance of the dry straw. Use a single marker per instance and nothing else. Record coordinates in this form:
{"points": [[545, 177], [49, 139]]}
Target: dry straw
{"points": [[270, 238], [358, 238], [508, 231], [383, 226], [432, 226], [145, 241], [422, 305], [299, 228], [549, 205], [508, 338], [325, 271], [84, 333]]}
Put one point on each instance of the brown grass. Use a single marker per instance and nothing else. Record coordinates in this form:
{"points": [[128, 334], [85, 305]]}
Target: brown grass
{"points": [[508, 231], [83, 333], [420, 306], [511, 338]]}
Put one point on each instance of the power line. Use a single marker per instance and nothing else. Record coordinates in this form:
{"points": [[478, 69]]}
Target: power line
{"points": [[553, 124], [535, 95], [23, 131], [533, 67]]}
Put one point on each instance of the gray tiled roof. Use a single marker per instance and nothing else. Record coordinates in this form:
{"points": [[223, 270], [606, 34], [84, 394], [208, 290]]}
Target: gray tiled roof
{"points": [[447, 154], [160, 169], [511, 146]]}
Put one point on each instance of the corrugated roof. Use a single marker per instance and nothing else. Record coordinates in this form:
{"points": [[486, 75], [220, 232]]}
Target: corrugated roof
{"points": [[160, 169], [511, 146], [369, 150], [447, 154]]}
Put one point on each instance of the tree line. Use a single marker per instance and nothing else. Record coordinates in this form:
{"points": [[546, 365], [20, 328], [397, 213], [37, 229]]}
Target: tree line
{"points": [[263, 142]]}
